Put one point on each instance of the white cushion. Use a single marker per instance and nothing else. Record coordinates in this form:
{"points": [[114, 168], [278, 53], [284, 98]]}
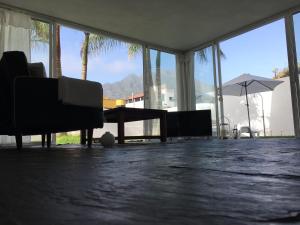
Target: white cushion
{"points": [[80, 92]]}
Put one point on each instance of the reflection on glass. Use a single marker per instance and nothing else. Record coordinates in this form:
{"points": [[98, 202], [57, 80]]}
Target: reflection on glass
{"points": [[204, 82], [163, 80], [159, 85], [40, 43]]}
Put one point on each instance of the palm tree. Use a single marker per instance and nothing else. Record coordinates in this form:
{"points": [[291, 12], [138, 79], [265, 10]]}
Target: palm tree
{"points": [[39, 34], [84, 55], [94, 44], [133, 50], [158, 79], [203, 53], [148, 89], [58, 52]]}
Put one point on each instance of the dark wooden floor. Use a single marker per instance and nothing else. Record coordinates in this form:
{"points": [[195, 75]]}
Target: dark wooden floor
{"points": [[199, 182]]}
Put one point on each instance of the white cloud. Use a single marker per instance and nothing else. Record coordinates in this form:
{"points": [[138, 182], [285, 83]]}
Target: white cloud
{"points": [[104, 69], [120, 66]]}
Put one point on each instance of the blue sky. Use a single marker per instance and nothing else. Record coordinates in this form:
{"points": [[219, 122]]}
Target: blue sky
{"points": [[256, 52], [106, 67]]}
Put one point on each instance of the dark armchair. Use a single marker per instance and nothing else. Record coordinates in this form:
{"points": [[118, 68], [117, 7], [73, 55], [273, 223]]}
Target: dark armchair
{"points": [[30, 105]]}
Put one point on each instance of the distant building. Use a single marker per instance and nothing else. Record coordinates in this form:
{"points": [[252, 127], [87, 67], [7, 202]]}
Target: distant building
{"points": [[135, 98], [167, 96], [135, 101], [109, 103]]}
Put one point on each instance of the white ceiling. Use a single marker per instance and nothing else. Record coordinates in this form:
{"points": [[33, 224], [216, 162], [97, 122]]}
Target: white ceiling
{"points": [[175, 24]]}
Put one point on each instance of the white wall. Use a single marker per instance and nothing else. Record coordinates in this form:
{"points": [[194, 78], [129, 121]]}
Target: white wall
{"points": [[131, 129], [138, 104], [281, 116], [4, 139]]}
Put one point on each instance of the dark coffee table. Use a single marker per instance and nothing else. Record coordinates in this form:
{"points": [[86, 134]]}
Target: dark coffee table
{"points": [[122, 114]]}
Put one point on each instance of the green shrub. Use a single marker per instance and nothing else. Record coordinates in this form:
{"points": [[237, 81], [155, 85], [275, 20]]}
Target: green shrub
{"points": [[67, 139]]}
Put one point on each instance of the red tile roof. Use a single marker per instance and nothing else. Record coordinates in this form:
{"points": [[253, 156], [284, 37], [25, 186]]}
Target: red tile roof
{"points": [[138, 95]]}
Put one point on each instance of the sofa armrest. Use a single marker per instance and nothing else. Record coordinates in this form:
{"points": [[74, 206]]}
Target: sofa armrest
{"points": [[90, 94]]}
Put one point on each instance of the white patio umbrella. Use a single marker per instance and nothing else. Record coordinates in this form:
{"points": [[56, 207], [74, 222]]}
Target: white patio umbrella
{"points": [[248, 84]]}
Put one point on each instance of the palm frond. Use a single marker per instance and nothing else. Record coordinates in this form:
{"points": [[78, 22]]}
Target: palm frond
{"points": [[222, 54], [99, 44], [39, 34], [203, 54], [134, 50]]}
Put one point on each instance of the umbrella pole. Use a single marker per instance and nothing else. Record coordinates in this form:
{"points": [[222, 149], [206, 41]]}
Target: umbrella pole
{"points": [[248, 111]]}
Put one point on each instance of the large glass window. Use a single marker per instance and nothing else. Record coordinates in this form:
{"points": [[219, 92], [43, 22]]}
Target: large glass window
{"points": [[204, 82], [261, 52], [69, 45]]}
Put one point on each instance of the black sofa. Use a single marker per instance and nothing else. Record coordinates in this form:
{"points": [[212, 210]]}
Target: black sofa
{"points": [[30, 105], [195, 123]]}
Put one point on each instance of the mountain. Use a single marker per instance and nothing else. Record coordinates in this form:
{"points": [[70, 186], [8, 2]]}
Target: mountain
{"points": [[134, 84], [124, 88]]}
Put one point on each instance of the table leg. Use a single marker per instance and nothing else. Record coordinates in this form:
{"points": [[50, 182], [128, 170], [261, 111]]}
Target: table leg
{"points": [[48, 140], [83, 137], [121, 128], [90, 137], [43, 140], [163, 127]]}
